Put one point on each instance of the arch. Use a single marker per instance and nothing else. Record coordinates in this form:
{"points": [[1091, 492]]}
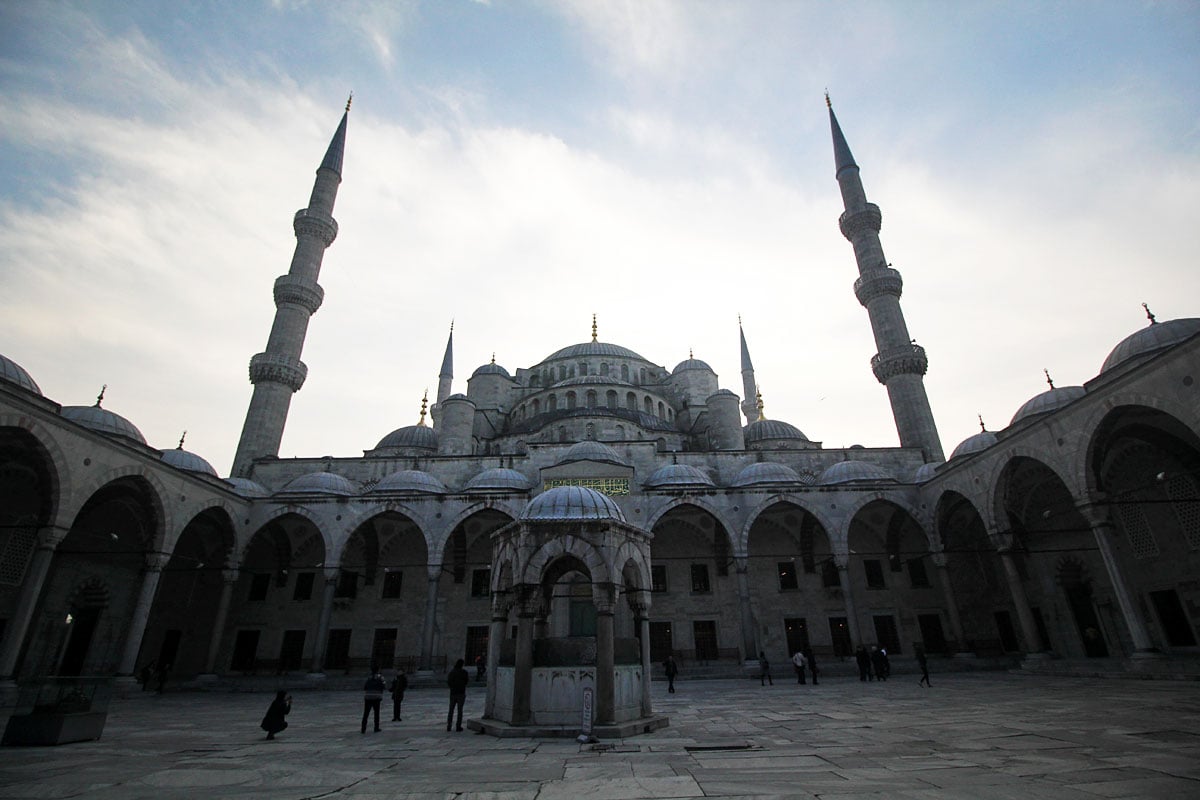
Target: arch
{"points": [[299, 511], [973, 567], [631, 401], [670, 504], [1030, 496], [137, 472], [832, 530], [591, 398], [534, 570], [45, 445], [1095, 423], [571, 400], [552, 402]]}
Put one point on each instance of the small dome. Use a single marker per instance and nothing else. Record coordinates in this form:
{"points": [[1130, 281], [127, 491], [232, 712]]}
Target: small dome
{"points": [[571, 503], [1150, 340], [498, 479], [594, 349], [853, 471], [678, 475], [189, 461], [318, 483], [421, 437], [766, 473], [973, 444], [247, 488], [691, 363], [12, 372], [1048, 401], [491, 369], [766, 429], [925, 472], [721, 393], [410, 480], [591, 450], [103, 421]]}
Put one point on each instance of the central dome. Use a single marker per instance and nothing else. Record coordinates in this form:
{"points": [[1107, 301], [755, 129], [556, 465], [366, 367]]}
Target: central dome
{"points": [[571, 503], [594, 349]]}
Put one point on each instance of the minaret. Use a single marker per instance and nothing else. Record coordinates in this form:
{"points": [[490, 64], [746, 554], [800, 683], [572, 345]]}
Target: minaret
{"points": [[278, 372], [900, 363], [446, 375], [749, 386]]}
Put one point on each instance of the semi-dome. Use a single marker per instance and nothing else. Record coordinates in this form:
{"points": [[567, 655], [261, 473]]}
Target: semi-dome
{"points": [[1050, 400], [416, 436], [767, 429], [691, 363], [491, 369], [13, 372], [500, 480], [187, 460], [247, 488], [410, 480], [853, 471], [103, 421], [678, 475], [318, 483], [1151, 339], [591, 450], [925, 472], [571, 503], [973, 444], [764, 473]]}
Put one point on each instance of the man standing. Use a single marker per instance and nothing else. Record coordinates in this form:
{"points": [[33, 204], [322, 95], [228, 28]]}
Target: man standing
{"points": [[764, 669], [372, 697], [398, 687], [798, 661], [457, 680], [672, 669]]}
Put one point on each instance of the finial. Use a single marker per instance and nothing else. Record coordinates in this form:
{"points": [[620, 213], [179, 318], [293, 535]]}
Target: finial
{"points": [[100, 397], [181, 438], [739, 320], [493, 356], [424, 405], [349, 100], [828, 103], [690, 354], [593, 327], [758, 403], [452, 324], [1049, 380], [1149, 316], [982, 428]]}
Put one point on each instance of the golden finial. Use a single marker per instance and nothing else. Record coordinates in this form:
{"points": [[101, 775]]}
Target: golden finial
{"points": [[181, 438], [100, 397], [349, 100], [493, 356], [1049, 380], [593, 327], [1149, 316], [691, 355], [424, 405], [758, 403], [828, 102], [982, 428]]}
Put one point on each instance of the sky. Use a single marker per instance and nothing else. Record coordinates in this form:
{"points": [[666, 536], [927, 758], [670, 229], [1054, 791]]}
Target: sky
{"points": [[519, 166]]}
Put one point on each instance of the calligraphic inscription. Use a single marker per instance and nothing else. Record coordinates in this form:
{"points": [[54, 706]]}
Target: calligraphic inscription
{"points": [[612, 487]]}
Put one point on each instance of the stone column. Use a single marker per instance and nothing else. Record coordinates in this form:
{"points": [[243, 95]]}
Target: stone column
{"points": [[956, 628], [1103, 529], [31, 589], [741, 565], [229, 579], [1024, 615], [843, 567], [642, 610], [141, 613], [433, 575], [318, 661], [605, 660], [495, 639], [523, 670]]}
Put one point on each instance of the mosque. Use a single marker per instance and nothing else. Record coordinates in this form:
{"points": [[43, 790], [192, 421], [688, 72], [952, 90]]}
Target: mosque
{"points": [[599, 498]]}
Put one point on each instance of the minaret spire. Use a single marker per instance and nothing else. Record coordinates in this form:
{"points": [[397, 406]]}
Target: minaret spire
{"points": [[446, 375], [749, 385], [900, 363], [278, 372]]}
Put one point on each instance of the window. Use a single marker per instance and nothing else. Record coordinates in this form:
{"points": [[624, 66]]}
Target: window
{"points": [[477, 643], [839, 634], [337, 652], [658, 577], [304, 585], [291, 651], [571, 400], [829, 574], [393, 580], [874, 574], [886, 633], [704, 634], [481, 580], [347, 585], [259, 584], [787, 576], [917, 573], [700, 578]]}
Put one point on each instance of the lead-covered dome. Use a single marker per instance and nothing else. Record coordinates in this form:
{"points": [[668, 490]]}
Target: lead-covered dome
{"points": [[498, 480], [1151, 339], [13, 372], [852, 472], [103, 421], [765, 473], [770, 429], [925, 472], [974, 444], [420, 437], [318, 483], [1048, 401], [591, 450], [681, 475], [248, 488], [189, 461], [410, 481], [571, 503], [491, 369], [691, 363], [593, 348]]}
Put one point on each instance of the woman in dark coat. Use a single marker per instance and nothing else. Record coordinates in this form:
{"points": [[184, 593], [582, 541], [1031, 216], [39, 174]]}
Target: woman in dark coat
{"points": [[274, 721]]}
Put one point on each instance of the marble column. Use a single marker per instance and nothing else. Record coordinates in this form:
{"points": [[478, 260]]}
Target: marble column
{"points": [[741, 565], [943, 573], [495, 641], [643, 623], [605, 659], [523, 669], [318, 660], [31, 589], [1103, 529], [1024, 615], [843, 568], [229, 579], [141, 613], [428, 627]]}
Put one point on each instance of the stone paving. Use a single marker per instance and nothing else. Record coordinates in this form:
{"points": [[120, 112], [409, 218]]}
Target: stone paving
{"points": [[980, 735]]}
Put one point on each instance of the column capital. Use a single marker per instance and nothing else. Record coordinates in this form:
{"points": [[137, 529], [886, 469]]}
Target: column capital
{"points": [[230, 574], [50, 536], [939, 559], [156, 561], [1096, 511]]}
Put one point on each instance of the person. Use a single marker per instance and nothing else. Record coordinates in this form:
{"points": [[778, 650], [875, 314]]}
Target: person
{"points": [[479, 669], [163, 670], [147, 673], [812, 664], [799, 662], [457, 680], [764, 670], [372, 697], [399, 684], [864, 663], [672, 669], [923, 663], [879, 663], [273, 722]]}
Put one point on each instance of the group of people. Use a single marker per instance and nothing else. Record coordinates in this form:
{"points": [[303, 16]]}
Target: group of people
{"points": [[873, 665], [373, 690]]}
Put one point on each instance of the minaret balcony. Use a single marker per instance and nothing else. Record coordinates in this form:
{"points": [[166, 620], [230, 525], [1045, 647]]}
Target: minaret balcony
{"points": [[289, 289], [907, 359], [314, 224], [278, 369], [876, 282], [856, 221]]}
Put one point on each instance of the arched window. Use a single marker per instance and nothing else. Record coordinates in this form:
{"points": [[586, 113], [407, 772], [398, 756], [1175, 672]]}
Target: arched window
{"points": [[582, 368], [648, 405], [552, 403], [631, 401], [620, 433], [610, 399], [604, 368], [624, 372], [537, 407], [589, 431], [591, 398], [562, 433], [642, 375], [562, 372], [570, 400], [535, 380], [661, 411]]}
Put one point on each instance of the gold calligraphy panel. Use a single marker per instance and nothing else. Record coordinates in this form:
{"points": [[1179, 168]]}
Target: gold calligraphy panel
{"points": [[612, 487]]}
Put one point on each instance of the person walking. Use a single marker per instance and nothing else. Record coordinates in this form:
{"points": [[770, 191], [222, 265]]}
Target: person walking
{"points": [[879, 663], [864, 663], [273, 722], [764, 670], [799, 662], [923, 663], [812, 664], [457, 680], [672, 669], [399, 684], [372, 697]]}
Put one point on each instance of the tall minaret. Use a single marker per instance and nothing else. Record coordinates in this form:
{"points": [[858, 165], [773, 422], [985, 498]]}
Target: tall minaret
{"points": [[446, 375], [749, 386], [278, 372], [900, 363]]}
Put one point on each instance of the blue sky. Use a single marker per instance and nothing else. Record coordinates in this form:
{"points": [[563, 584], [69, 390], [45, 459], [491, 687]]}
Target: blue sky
{"points": [[518, 166]]}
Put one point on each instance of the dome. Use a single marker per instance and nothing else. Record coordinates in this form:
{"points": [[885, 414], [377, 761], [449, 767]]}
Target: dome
{"points": [[247, 488], [591, 450], [767, 473], [410, 480], [498, 479], [571, 503], [852, 471], [457, 396], [765, 429], [1149, 340], [103, 421], [691, 363], [491, 369], [593, 349], [678, 475], [12, 372], [418, 436], [318, 483], [925, 472], [607, 380], [186, 460], [973, 444], [1048, 401]]}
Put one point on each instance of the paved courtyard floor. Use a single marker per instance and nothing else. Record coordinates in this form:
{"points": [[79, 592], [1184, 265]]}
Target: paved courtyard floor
{"points": [[981, 735]]}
